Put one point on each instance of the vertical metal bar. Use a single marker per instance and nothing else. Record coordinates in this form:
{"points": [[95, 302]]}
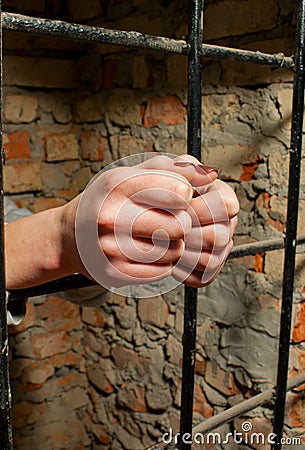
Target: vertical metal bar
{"points": [[194, 149], [6, 440], [291, 228]]}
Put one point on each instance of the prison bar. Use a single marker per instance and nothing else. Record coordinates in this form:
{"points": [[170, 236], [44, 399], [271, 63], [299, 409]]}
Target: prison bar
{"points": [[235, 411], [137, 40], [6, 438], [295, 153], [78, 281], [194, 114], [131, 39], [254, 248]]}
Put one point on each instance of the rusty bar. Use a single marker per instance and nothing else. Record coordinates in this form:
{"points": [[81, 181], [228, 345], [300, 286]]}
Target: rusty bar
{"points": [[6, 438], [85, 33]]}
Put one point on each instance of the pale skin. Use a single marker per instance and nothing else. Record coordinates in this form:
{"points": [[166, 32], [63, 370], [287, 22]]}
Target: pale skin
{"points": [[42, 247]]}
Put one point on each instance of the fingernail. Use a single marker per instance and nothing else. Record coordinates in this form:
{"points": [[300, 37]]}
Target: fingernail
{"points": [[206, 170], [184, 164]]}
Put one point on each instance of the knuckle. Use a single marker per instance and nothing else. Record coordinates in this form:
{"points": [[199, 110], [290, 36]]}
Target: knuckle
{"points": [[177, 249], [214, 262], [180, 226]]}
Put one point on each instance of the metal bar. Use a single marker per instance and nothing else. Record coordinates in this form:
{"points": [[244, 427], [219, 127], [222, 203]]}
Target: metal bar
{"points": [[6, 438], [218, 52], [62, 284], [262, 246], [235, 411], [85, 33], [77, 281], [194, 148], [291, 227]]}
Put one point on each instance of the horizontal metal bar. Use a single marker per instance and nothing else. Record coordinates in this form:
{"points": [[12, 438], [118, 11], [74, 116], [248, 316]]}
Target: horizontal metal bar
{"points": [[77, 281], [86, 33], [235, 411], [60, 285], [262, 246], [133, 39], [218, 52]]}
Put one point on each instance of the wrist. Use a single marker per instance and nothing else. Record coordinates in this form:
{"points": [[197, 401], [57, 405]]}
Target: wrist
{"points": [[69, 257]]}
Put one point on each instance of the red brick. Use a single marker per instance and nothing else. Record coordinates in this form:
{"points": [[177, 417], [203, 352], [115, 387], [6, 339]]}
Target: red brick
{"points": [[168, 110], [233, 17], [69, 359], [200, 366], [61, 147], [259, 263], [93, 145], [298, 333], [132, 397], [94, 316], [35, 375], [17, 145], [26, 413], [98, 377], [22, 177], [220, 380], [200, 403], [248, 170], [100, 433], [297, 415], [59, 314], [50, 344], [126, 359], [109, 73], [153, 311], [67, 194], [263, 200], [20, 108], [41, 204]]}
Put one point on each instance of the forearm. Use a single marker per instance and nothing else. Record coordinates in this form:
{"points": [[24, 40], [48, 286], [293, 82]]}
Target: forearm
{"points": [[41, 247]]}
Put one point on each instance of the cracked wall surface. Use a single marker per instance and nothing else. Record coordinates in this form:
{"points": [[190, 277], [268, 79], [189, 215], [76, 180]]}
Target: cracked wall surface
{"points": [[110, 378]]}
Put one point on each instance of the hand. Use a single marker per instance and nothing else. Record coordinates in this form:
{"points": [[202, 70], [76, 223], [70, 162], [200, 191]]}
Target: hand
{"points": [[213, 208], [137, 217]]}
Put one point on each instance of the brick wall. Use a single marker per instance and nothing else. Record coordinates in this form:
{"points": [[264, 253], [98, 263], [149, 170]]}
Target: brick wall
{"points": [[111, 378]]}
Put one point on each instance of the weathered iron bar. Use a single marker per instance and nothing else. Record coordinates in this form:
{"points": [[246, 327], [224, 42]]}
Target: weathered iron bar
{"points": [[75, 281], [295, 153], [86, 33], [194, 113], [6, 439]]}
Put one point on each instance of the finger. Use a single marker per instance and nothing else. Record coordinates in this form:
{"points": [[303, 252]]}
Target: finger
{"points": [[188, 166], [192, 279], [210, 236], [142, 250], [204, 260], [198, 278], [222, 190], [139, 221], [195, 278], [218, 204], [207, 276], [137, 273]]}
